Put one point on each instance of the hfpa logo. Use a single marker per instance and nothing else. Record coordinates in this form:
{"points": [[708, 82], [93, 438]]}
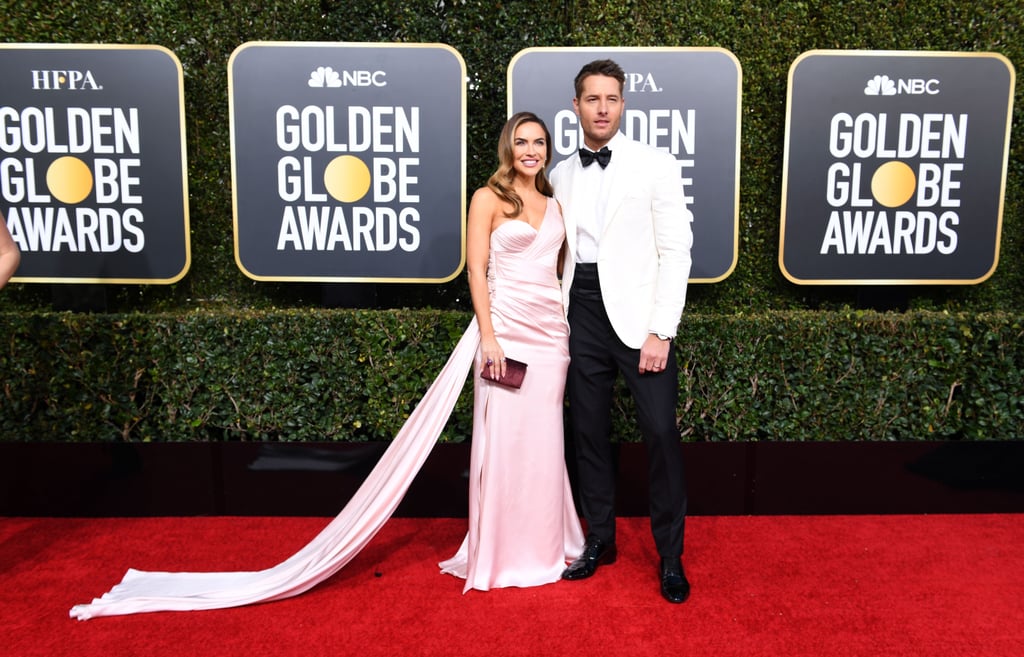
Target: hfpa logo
{"points": [[883, 85], [58, 80], [641, 82]]}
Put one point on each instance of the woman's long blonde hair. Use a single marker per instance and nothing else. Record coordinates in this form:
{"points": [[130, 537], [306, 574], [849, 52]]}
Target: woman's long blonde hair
{"points": [[500, 181]]}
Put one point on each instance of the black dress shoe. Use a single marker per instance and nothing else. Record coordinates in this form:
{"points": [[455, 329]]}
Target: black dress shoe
{"points": [[674, 585], [595, 553]]}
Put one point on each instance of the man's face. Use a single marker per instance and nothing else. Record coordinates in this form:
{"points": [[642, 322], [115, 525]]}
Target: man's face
{"points": [[599, 107]]}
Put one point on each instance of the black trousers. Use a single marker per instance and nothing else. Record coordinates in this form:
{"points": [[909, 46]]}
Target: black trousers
{"points": [[598, 357]]}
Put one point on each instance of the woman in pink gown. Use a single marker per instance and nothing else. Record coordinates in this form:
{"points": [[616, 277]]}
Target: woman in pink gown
{"points": [[522, 522]]}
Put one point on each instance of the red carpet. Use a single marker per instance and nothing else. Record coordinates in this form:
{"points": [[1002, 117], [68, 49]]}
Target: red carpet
{"points": [[823, 586]]}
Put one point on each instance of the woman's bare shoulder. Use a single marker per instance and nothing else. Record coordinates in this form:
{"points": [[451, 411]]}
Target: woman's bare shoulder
{"points": [[485, 195]]}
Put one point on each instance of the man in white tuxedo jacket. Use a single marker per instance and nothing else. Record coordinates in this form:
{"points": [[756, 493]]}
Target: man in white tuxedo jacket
{"points": [[624, 287]]}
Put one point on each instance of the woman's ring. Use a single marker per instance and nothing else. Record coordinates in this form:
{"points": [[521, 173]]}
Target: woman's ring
{"points": [[490, 362]]}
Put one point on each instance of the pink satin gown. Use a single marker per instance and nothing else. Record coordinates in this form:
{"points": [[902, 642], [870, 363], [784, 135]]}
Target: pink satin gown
{"points": [[522, 522]]}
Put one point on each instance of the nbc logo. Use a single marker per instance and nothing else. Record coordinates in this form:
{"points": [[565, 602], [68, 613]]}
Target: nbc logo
{"points": [[883, 85], [325, 76]]}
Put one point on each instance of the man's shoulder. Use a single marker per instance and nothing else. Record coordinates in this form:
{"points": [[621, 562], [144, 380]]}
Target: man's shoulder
{"points": [[559, 170], [563, 165], [640, 149]]}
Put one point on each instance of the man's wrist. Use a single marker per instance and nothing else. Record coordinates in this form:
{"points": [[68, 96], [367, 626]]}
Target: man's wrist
{"points": [[661, 336]]}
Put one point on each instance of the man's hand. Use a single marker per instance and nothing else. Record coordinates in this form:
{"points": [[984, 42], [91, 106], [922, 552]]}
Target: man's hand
{"points": [[654, 354]]}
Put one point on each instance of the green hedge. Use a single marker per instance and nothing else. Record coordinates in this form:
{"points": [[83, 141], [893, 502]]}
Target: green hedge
{"points": [[353, 375], [260, 375], [853, 375]]}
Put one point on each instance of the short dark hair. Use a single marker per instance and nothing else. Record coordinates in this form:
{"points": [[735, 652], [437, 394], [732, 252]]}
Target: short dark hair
{"points": [[600, 67]]}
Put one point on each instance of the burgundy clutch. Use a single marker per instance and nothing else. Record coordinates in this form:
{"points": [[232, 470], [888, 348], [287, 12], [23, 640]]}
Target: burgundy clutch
{"points": [[514, 372]]}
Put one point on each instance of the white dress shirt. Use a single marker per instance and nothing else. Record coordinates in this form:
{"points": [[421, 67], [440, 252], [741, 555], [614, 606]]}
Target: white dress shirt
{"points": [[591, 226]]}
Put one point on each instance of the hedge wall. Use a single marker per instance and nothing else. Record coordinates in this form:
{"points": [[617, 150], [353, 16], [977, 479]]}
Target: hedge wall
{"points": [[126, 375], [355, 375], [258, 375]]}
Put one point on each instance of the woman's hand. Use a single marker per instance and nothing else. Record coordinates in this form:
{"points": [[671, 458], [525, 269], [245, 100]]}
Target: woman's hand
{"points": [[493, 358]]}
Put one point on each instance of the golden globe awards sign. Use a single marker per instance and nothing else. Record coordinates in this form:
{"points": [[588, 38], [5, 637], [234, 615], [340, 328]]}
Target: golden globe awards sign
{"points": [[895, 167], [685, 101], [92, 163], [348, 161]]}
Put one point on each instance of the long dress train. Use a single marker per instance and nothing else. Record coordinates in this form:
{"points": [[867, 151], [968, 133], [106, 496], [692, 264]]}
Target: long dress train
{"points": [[336, 545], [342, 539]]}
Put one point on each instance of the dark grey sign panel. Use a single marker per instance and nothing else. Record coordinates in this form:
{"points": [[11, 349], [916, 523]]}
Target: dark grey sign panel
{"points": [[92, 163], [895, 167], [685, 101], [348, 161]]}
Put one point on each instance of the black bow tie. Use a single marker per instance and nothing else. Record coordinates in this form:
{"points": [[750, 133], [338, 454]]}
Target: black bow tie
{"points": [[603, 157]]}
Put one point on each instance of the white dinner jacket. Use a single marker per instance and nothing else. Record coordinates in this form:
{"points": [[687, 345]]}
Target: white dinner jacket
{"points": [[644, 250]]}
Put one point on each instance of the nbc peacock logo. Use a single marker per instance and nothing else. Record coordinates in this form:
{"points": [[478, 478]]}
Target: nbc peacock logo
{"points": [[327, 77], [324, 76], [883, 85], [880, 85]]}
